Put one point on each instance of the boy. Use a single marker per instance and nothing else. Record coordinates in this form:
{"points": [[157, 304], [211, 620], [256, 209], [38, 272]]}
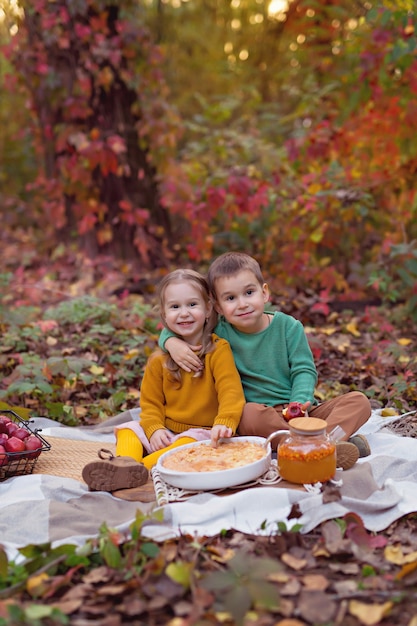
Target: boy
{"points": [[272, 356]]}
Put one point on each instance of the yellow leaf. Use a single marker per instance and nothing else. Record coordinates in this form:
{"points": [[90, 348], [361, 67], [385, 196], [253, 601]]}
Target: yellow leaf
{"points": [[316, 236], [330, 330], [225, 556], [404, 359], [51, 341], [352, 328], [314, 188], [223, 617], [394, 554], [404, 342], [131, 354], [35, 585], [369, 614], [180, 572], [133, 393], [97, 370], [388, 411]]}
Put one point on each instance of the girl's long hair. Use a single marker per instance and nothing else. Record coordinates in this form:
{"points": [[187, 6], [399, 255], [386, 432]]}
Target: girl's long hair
{"points": [[198, 281]]}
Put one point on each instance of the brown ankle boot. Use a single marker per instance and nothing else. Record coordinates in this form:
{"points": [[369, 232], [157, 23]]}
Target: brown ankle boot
{"points": [[346, 454], [111, 472]]}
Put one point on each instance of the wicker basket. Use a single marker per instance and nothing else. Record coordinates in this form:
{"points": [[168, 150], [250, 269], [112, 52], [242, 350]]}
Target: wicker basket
{"points": [[19, 463]]}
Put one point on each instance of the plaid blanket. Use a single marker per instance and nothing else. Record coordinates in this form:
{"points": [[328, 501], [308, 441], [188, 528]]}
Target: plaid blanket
{"points": [[40, 508]]}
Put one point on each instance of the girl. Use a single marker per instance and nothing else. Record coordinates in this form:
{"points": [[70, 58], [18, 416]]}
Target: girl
{"points": [[180, 407]]}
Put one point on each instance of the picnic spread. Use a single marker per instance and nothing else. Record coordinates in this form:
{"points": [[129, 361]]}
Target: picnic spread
{"points": [[53, 504]]}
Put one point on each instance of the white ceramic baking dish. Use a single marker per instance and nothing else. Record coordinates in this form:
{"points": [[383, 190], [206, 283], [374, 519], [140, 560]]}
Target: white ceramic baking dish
{"points": [[208, 481]]}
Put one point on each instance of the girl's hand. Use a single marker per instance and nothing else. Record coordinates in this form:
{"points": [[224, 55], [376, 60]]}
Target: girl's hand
{"points": [[218, 432], [183, 355], [161, 438]]}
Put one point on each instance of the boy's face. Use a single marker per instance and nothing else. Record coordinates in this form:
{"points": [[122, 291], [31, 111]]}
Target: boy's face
{"points": [[241, 299]]}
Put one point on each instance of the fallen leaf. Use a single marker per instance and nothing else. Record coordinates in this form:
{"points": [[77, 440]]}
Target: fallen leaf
{"points": [[369, 614], [406, 569], [316, 582], [316, 607], [353, 329], [394, 554], [293, 561], [403, 341]]}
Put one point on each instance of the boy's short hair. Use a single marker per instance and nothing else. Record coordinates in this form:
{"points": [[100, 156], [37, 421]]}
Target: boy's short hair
{"points": [[231, 263]]}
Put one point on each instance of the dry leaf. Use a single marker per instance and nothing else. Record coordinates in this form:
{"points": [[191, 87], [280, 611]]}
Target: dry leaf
{"points": [[352, 328], [369, 614], [315, 582], [394, 554], [404, 341], [293, 562]]}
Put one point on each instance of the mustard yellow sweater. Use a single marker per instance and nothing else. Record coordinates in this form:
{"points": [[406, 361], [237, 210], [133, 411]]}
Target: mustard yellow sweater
{"points": [[216, 397]]}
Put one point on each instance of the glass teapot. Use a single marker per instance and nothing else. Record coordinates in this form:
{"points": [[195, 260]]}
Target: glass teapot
{"points": [[307, 454]]}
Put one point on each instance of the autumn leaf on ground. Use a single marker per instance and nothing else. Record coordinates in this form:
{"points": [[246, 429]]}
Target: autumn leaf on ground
{"points": [[356, 531]]}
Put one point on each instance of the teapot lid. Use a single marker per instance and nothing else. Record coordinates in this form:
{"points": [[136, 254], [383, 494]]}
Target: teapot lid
{"points": [[307, 425]]}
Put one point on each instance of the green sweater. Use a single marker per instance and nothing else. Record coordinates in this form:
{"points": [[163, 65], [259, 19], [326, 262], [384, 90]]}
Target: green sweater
{"points": [[276, 366]]}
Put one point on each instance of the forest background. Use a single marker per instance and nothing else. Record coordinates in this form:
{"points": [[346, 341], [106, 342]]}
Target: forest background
{"points": [[139, 136]]}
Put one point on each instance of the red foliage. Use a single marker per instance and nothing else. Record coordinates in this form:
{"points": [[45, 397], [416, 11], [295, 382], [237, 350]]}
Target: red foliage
{"points": [[102, 124]]}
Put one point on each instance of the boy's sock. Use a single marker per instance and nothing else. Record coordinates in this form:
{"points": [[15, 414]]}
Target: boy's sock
{"points": [[150, 460], [129, 444]]}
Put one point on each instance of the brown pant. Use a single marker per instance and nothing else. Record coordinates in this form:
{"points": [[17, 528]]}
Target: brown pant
{"points": [[349, 411]]}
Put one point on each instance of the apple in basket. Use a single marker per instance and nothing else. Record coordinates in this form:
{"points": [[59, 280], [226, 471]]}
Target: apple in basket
{"points": [[34, 444], [21, 433], [11, 428], [3, 423], [14, 444], [3, 456], [3, 438]]}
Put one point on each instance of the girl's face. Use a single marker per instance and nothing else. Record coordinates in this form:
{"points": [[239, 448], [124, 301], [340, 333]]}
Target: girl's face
{"points": [[185, 311]]}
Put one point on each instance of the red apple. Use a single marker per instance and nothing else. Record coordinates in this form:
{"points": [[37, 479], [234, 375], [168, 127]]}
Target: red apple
{"points": [[21, 433], [3, 423], [11, 428], [3, 438], [13, 444], [294, 409], [3, 456], [33, 443]]}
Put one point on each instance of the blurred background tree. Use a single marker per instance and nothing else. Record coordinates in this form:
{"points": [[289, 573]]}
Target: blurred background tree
{"points": [[171, 131]]}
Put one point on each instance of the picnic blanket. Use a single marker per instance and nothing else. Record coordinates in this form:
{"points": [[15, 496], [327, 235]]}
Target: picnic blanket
{"points": [[54, 505]]}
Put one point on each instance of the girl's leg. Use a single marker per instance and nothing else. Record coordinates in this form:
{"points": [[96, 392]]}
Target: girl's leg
{"points": [[349, 411], [150, 460], [129, 444]]}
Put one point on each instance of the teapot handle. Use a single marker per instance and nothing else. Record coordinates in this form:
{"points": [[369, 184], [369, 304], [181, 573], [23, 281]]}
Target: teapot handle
{"points": [[273, 435]]}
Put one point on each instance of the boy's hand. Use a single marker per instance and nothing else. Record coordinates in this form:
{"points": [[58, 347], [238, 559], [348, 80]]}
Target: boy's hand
{"points": [[218, 432], [183, 355], [161, 438]]}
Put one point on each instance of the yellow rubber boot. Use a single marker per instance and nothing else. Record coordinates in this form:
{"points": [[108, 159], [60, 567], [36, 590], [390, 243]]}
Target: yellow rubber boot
{"points": [[129, 444], [150, 460]]}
